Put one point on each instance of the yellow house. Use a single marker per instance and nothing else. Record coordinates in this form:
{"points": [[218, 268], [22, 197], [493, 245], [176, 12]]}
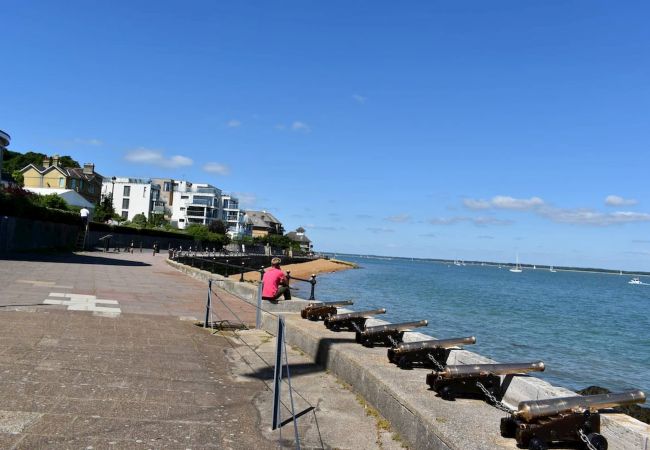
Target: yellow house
{"points": [[85, 181]]}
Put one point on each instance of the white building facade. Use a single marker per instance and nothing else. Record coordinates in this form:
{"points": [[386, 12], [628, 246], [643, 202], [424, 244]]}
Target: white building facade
{"points": [[132, 196], [194, 203], [234, 218]]}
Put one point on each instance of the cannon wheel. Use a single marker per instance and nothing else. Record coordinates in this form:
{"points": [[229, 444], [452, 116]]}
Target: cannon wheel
{"points": [[508, 427], [597, 440], [334, 327], [447, 393], [537, 444], [404, 363]]}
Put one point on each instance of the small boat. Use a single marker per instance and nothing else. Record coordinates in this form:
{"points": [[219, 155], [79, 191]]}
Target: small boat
{"points": [[457, 263], [551, 269], [635, 280], [517, 268]]}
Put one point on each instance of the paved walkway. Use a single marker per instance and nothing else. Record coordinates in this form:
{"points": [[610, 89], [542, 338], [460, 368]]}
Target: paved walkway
{"points": [[93, 355]]}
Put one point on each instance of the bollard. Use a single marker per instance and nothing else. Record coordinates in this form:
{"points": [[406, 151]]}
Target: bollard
{"points": [[312, 281], [140, 246], [241, 278], [227, 270]]}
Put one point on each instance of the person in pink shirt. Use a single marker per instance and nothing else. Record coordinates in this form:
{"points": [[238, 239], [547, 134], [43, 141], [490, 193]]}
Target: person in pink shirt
{"points": [[275, 283]]}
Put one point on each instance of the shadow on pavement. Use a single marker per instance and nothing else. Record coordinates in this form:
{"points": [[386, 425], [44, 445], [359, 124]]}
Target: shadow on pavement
{"points": [[70, 258], [296, 370]]}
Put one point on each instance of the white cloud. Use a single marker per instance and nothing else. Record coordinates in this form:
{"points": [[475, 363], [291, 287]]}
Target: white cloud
{"points": [[246, 199], [92, 142], [504, 202], [300, 126], [216, 168], [233, 123], [399, 218], [377, 230], [359, 98], [155, 157], [583, 216], [478, 221], [615, 200]]}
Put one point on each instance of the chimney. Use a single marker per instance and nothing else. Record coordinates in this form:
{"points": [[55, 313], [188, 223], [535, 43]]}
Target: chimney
{"points": [[89, 169], [46, 162], [55, 160]]}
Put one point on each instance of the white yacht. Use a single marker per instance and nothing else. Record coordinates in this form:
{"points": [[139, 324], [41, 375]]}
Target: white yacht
{"points": [[517, 268], [635, 280], [551, 269]]}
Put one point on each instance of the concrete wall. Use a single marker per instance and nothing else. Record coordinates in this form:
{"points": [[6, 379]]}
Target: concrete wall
{"points": [[17, 234], [424, 420]]}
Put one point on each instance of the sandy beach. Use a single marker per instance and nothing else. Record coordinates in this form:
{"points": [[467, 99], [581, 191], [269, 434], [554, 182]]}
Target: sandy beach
{"points": [[305, 270]]}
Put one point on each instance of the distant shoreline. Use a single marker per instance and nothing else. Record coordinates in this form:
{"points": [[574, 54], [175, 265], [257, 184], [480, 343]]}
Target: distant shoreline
{"points": [[503, 265]]}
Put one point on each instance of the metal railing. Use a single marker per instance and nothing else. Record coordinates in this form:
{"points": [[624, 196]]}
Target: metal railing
{"points": [[214, 262]]}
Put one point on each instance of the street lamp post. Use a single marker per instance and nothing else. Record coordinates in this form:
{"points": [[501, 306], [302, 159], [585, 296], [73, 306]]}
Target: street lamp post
{"points": [[5, 139], [113, 192]]}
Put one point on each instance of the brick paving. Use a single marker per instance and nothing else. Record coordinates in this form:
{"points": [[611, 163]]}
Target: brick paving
{"points": [[77, 375]]}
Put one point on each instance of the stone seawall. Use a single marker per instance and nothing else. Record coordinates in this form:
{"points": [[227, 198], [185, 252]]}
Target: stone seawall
{"points": [[423, 419]]}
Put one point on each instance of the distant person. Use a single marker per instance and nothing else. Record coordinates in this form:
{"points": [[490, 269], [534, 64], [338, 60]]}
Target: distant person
{"points": [[85, 215], [275, 283]]}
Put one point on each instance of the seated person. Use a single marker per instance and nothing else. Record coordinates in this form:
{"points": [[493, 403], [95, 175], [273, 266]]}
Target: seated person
{"points": [[275, 283]]}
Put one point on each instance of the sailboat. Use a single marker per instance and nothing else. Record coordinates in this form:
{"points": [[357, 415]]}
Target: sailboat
{"points": [[517, 268], [551, 269]]}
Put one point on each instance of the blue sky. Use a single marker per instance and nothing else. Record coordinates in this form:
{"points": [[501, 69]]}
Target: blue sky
{"points": [[469, 130]]}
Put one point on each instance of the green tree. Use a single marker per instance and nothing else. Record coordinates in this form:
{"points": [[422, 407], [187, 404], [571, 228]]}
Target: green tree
{"points": [[139, 220], [104, 209], [217, 226], [50, 201]]}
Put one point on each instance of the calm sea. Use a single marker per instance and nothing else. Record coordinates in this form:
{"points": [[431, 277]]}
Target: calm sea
{"points": [[589, 329]]}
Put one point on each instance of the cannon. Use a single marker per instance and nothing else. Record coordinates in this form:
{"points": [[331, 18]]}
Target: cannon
{"points": [[409, 354], [476, 380], [536, 423], [389, 334], [318, 311], [351, 321]]}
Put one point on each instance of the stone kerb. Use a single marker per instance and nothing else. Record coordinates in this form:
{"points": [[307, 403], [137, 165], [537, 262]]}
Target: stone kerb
{"points": [[420, 417]]}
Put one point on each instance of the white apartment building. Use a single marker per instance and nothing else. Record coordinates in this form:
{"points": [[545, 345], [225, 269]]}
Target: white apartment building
{"points": [[233, 217], [132, 196], [193, 203]]}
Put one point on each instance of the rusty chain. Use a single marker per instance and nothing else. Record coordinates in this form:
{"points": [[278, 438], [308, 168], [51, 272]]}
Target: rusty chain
{"points": [[393, 342], [439, 367], [585, 439], [496, 403]]}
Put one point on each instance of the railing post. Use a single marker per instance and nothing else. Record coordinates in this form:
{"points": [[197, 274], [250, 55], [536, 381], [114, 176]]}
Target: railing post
{"points": [[241, 278], [288, 276], [312, 281], [227, 269], [258, 315], [208, 305]]}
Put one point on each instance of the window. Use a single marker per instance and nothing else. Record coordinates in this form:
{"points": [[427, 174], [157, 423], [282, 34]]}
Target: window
{"points": [[127, 191], [73, 184], [125, 203], [184, 197], [182, 208], [167, 186], [91, 188], [125, 214], [61, 182], [181, 220]]}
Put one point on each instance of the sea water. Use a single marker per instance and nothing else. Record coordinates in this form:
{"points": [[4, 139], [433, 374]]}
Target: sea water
{"points": [[589, 328]]}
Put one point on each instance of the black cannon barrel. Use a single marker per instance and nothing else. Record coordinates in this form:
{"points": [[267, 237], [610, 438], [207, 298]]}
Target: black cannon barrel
{"points": [[394, 327], [338, 303], [406, 347], [469, 370], [532, 409], [356, 315]]}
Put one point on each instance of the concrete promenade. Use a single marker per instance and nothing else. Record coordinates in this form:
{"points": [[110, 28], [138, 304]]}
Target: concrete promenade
{"points": [[100, 351]]}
